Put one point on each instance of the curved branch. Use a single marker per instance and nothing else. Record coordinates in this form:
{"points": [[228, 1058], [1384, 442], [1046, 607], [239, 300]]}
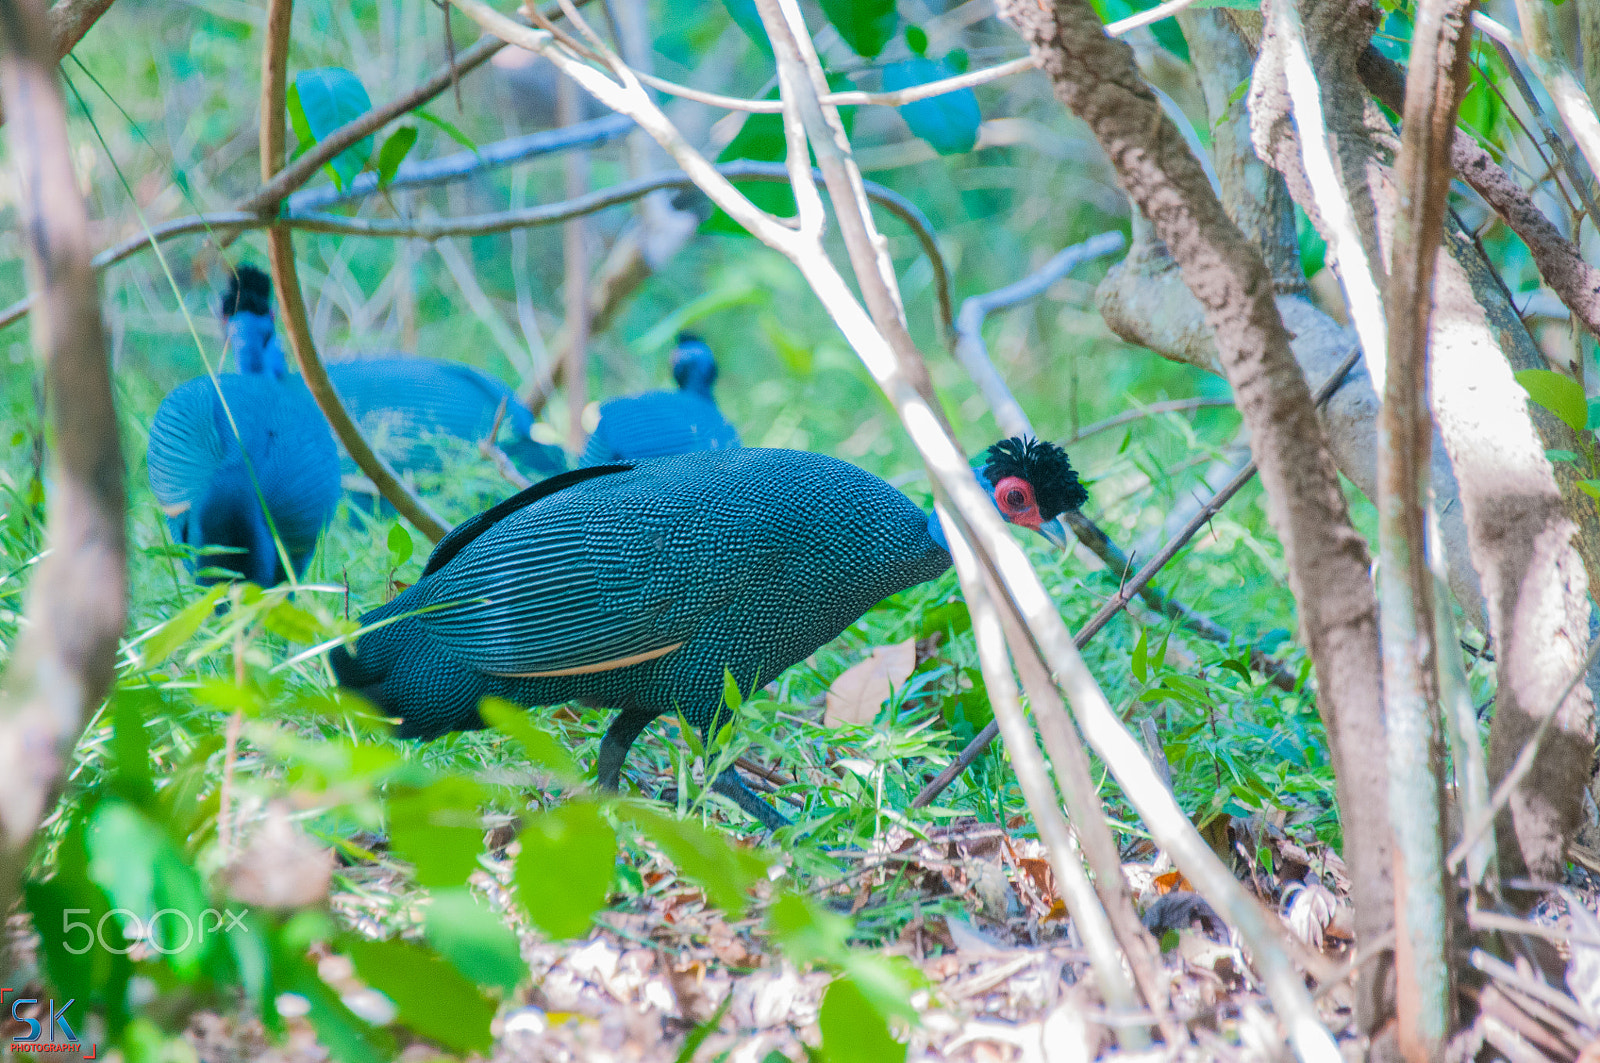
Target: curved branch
{"points": [[505, 221], [280, 252], [65, 656], [463, 164]]}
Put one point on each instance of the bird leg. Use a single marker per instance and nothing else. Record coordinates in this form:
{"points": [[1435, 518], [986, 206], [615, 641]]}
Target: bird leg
{"points": [[614, 748], [729, 785]]}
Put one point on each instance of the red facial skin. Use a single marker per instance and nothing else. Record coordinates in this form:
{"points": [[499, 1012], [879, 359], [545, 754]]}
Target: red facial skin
{"points": [[1014, 496]]}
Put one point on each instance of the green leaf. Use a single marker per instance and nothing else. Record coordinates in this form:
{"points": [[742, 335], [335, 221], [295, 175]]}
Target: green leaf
{"points": [[950, 619], [698, 1035], [853, 1031], [917, 39], [1558, 393], [400, 544], [143, 873], [544, 752], [761, 138], [475, 940], [1590, 488], [321, 101], [865, 25], [731, 696], [747, 18], [181, 628], [1560, 455], [83, 951], [450, 130], [1141, 652], [431, 996], [438, 828], [348, 1038], [725, 871], [390, 156], [130, 743], [948, 123], [563, 873], [287, 620]]}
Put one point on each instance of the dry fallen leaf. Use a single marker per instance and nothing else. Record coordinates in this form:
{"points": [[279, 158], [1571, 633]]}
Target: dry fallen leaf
{"points": [[858, 694]]}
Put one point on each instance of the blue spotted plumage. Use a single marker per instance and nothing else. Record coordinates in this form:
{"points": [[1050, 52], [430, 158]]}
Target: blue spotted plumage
{"points": [[658, 423], [635, 586], [232, 481]]}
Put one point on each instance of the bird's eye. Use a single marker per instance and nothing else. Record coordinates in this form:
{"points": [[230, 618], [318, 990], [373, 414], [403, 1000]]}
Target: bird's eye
{"points": [[1015, 499]]}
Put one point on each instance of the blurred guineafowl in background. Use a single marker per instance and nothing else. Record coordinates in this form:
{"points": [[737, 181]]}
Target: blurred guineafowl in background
{"points": [[659, 423], [404, 404], [633, 586], [222, 449]]}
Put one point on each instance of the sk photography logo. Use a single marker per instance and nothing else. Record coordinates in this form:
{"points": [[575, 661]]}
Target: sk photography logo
{"points": [[44, 1026]]}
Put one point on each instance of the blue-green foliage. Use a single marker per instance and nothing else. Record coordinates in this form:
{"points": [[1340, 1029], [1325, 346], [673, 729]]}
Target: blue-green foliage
{"points": [[949, 123]]}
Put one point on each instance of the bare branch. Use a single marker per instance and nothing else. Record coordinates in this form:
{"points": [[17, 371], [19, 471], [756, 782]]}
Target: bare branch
{"points": [[1139, 413], [1537, 45], [973, 353], [461, 165], [280, 252], [1088, 916], [66, 653], [1560, 263], [1440, 74]]}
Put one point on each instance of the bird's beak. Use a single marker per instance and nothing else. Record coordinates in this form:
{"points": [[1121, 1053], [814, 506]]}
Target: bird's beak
{"points": [[1057, 533]]}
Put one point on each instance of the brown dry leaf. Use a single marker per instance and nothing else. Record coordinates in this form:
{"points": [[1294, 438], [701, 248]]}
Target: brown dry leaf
{"points": [[858, 694], [1172, 880]]}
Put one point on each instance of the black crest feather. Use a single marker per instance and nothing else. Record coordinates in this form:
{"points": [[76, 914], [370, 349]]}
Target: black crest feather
{"points": [[1042, 464], [250, 290]]}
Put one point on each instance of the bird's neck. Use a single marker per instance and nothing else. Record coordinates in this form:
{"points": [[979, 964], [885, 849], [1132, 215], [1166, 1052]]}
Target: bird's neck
{"points": [[254, 341]]}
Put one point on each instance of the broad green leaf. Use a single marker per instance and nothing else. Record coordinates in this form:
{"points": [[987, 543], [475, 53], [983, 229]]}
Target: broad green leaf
{"points": [[400, 545], [1558, 393], [747, 18], [865, 25], [917, 39], [853, 1031], [564, 871], [761, 139], [543, 751], [439, 829], [83, 951], [1590, 488], [130, 743], [476, 941], [287, 620], [143, 874], [449, 129], [1140, 659], [431, 996], [321, 101], [948, 123], [390, 156], [725, 871], [1560, 455], [181, 628], [731, 696]]}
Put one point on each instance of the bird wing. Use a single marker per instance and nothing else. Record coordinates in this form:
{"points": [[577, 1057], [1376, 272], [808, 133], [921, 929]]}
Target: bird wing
{"points": [[566, 588], [186, 447]]}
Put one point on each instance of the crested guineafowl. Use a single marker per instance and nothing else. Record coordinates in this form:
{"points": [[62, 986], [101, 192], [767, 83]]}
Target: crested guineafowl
{"points": [[237, 458], [633, 586], [659, 423], [406, 403]]}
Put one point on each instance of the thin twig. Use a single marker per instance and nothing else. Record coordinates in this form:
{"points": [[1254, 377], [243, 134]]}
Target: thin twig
{"points": [[1152, 410], [506, 221], [973, 353]]}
